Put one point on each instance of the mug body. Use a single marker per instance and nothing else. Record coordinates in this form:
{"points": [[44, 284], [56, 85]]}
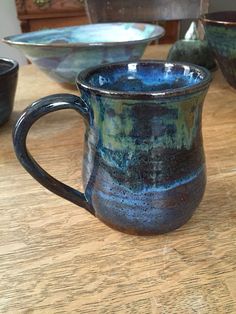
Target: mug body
{"points": [[144, 164], [220, 29], [8, 82]]}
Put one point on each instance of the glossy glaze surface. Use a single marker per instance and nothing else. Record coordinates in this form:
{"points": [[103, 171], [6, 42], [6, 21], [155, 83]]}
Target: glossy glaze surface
{"points": [[8, 82], [220, 28], [144, 166], [63, 52], [192, 49], [143, 79]]}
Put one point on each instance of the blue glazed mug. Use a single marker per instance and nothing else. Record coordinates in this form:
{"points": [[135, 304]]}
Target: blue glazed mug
{"points": [[144, 165]]}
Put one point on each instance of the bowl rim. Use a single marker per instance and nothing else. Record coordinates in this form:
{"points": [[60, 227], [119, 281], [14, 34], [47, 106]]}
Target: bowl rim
{"points": [[158, 30], [81, 82], [13, 66], [205, 18]]}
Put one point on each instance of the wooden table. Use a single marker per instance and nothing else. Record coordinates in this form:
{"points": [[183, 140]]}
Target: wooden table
{"points": [[57, 258]]}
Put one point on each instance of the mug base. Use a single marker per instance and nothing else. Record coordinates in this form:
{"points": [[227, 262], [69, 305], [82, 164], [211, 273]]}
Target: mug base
{"points": [[143, 232]]}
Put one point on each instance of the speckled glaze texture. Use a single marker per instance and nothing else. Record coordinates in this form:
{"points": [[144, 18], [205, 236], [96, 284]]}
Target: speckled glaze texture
{"points": [[193, 51], [62, 53], [8, 82], [143, 164], [220, 28]]}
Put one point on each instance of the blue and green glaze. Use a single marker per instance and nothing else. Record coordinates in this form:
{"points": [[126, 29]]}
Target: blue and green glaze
{"points": [[220, 28], [62, 53], [144, 165]]}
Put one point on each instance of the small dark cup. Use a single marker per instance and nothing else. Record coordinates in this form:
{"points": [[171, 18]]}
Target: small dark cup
{"points": [[8, 81], [220, 28]]}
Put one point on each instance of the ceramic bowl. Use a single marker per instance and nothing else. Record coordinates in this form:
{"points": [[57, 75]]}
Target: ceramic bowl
{"points": [[8, 83], [64, 52], [220, 29]]}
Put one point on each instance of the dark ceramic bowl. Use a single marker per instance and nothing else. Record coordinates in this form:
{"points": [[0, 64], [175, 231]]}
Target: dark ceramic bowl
{"points": [[220, 28], [64, 52], [8, 82]]}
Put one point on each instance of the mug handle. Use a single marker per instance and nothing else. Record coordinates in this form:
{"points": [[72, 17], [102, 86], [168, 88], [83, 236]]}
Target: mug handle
{"points": [[34, 112]]}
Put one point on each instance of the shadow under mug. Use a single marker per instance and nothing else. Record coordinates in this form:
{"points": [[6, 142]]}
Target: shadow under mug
{"points": [[144, 164], [8, 82]]}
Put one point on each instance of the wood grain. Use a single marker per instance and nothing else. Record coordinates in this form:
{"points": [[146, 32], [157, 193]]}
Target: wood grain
{"points": [[56, 13], [57, 258]]}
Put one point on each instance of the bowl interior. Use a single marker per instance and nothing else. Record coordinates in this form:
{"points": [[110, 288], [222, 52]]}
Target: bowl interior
{"points": [[221, 17], [93, 34], [7, 65], [145, 77]]}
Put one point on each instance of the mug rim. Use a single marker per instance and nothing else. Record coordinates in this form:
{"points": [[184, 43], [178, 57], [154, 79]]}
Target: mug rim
{"points": [[81, 81], [14, 66], [206, 18]]}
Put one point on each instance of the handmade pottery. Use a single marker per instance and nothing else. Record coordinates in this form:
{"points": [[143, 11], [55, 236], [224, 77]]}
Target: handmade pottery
{"points": [[220, 28], [8, 82], [62, 53], [192, 49], [144, 164]]}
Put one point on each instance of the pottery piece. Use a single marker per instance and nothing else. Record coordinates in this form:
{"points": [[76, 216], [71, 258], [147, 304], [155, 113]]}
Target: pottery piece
{"points": [[144, 164], [62, 53], [8, 82], [193, 50], [220, 29]]}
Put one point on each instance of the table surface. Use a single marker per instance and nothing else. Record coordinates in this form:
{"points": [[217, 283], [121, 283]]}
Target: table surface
{"points": [[57, 258]]}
